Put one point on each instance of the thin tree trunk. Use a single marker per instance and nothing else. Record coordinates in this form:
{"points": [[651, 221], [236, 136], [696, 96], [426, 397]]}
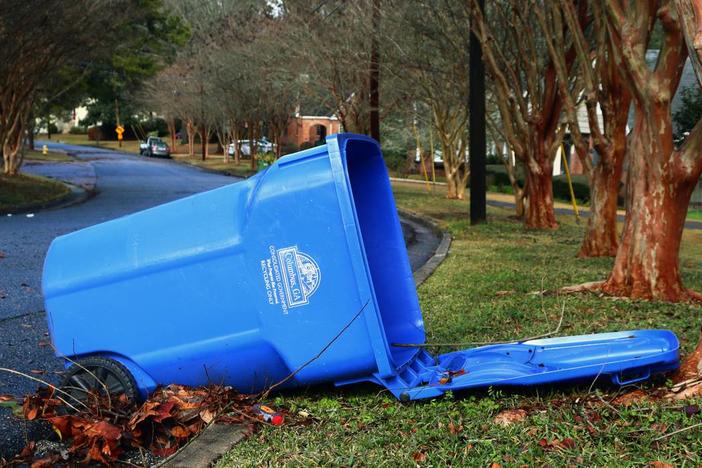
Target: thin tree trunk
{"points": [[190, 130], [253, 146], [203, 142], [172, 132], [237, 147]]}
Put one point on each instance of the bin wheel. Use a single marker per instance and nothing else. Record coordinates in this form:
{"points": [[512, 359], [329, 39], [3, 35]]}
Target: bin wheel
{"points": [[98, 374]]}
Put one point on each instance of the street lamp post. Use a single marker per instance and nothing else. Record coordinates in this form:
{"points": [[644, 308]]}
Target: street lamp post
{"points": [[476, 153]]}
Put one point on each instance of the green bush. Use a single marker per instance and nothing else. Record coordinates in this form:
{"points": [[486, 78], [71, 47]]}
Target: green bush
{"points": [[396, 160], [497, 177], [77, 130], [53, 128], [289, 148], [155, 127]]}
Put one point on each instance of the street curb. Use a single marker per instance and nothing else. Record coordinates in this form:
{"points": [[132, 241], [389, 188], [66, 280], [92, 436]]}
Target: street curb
{"points": [[217, 439], [423, 273], [207, 447], [75, 196], [415, 181]]}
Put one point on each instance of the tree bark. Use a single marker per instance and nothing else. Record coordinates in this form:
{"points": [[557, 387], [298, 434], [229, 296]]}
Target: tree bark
{"points": [[190, 130], [647, 265], [538, 189], [601, 233], [203, 141], [172, 132]]}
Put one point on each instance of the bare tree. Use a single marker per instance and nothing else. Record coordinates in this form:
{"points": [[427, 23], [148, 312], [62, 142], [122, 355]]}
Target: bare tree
{"points": [[39, 39], [526, 92], [600, 92], [429, 61]]}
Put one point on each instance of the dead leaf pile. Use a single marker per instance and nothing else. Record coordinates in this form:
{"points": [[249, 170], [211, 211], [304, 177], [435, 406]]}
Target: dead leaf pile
{"points": [[107, 428]]}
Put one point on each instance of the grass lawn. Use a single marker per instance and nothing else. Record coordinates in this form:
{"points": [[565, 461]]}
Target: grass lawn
{"points": [[37, 155], [22, 190], [481, 292], [131, 146], [695, 215], [216, 162]]}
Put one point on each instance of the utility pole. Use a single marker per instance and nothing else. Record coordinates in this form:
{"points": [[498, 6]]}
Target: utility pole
{"points": [[476, 107], [375, 75]]}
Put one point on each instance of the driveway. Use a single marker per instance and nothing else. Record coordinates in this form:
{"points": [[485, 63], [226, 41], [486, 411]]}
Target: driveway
{"points": [[125, 184]]}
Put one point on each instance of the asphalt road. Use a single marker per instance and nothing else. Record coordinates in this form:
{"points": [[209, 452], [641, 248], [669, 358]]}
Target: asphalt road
{"points": [[125, 184]]}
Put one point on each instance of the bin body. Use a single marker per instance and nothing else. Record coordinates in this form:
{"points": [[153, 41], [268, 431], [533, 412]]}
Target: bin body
{"points": [[246, 283], [300, 270]]}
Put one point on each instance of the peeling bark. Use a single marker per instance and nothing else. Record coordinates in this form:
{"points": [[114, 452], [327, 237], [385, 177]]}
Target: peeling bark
{"points": [[539, 193], [647, 261], [601, 233]]}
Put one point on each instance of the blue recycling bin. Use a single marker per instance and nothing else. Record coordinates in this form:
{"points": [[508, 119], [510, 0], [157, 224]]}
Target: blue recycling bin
{"points": [[299, 272]]}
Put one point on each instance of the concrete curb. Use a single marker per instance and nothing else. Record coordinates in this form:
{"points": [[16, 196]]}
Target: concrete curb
{"points": [[217, 439], [75, 196], [422, 273]]}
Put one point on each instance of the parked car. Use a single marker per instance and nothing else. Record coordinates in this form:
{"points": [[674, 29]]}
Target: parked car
{"points": [[438, 159], [263, 146], [154, 146]]}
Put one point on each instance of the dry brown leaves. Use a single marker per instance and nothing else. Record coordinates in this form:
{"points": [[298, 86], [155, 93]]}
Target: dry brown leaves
{"points": [[103, 431], [510, 416]]}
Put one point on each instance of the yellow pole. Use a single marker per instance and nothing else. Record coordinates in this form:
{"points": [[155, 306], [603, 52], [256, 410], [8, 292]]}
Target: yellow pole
{"points": [[564, 159], [431, 146], [421, 157]]}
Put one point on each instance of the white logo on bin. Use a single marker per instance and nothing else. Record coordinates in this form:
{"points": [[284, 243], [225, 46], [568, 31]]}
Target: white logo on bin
{"points": [[301, 275]]}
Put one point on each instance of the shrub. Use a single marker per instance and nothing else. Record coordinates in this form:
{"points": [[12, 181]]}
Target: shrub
{"points": [[289, 148], [77, 130], [396, 160], [497, 177]]}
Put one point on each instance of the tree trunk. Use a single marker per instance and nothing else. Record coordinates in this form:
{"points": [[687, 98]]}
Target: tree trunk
{"points": [[519, 207], [601, 232], [253, 146], [172, 132], [539, 192], [190, 129], [237, 147], [203, 141], [647, 261]]}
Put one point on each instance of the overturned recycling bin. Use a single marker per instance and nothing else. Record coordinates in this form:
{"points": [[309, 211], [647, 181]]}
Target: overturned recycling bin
{"points": [[299, 274]]}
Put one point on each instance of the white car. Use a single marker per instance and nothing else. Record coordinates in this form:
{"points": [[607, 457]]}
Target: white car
{"points": [[263, 146]]}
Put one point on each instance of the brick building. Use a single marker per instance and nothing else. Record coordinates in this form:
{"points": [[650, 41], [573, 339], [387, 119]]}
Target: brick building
{"points": [[308, 129]]}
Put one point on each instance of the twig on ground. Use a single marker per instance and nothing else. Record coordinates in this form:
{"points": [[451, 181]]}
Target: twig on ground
{"points": [[483, 343], [670, 434], [53, 387], [317, 356], [584, 287], [595, 379]]}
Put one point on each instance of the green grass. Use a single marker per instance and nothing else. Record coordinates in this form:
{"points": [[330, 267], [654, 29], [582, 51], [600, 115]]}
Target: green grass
{"points": [[22, 190], [131, 146], [217, 163], [37, 155], [694, 215], [481, 292]]}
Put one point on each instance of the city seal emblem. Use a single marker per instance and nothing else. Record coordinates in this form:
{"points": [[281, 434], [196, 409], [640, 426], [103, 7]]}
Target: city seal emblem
{"points": [[301, 275]]}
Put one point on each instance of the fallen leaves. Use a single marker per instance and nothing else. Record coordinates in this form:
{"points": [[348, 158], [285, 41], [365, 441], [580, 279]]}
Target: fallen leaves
{"points": [[106, 428], [630, 398], [557, 444], [510, 416]]}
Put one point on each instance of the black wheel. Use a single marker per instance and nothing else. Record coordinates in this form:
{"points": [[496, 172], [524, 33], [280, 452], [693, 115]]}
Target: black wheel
{"points": [[99, 375]]}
